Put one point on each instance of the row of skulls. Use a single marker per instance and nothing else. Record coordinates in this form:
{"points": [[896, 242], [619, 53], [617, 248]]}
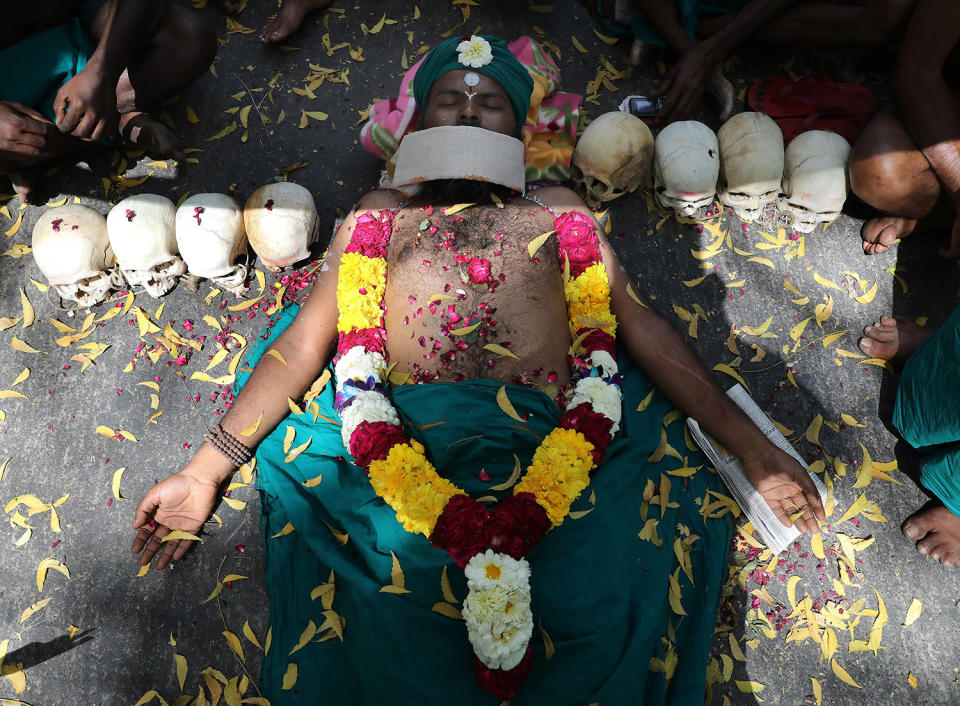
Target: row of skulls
{"points": [[147, 241], [744, 163]]}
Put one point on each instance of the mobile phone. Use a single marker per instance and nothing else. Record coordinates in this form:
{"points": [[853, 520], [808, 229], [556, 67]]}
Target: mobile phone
{"points": [[641, 106]]}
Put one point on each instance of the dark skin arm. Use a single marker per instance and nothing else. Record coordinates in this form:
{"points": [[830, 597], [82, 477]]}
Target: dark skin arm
{"points": [[687, 80], [185, 500], [924, 99], [664, 356], [86, 105]]}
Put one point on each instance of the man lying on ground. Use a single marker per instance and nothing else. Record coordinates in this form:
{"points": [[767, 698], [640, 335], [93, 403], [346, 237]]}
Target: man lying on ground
{"points": [[927, 416], [906, 164], [78, 72], [485, 328]]}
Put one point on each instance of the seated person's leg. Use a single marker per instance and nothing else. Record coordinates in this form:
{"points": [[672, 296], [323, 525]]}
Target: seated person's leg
{"points": [[890, 173], [289, 19]]}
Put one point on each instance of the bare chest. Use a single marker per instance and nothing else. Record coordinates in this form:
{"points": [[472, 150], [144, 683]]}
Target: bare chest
{"points": [[465, 300]]}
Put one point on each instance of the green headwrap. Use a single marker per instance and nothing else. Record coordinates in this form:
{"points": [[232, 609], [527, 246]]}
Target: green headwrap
{"points": [[504, 68]]}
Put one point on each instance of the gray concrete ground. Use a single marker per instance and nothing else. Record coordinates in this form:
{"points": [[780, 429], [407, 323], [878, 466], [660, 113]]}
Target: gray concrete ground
{"points": [[107, 636]]}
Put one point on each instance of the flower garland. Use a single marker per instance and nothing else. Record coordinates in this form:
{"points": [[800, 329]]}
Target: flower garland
{"points": [[489, 544]]}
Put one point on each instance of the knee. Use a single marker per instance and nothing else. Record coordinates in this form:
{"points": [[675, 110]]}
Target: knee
{"points": [[888, 172], [202, 41], [192, 40], [888, 20]]}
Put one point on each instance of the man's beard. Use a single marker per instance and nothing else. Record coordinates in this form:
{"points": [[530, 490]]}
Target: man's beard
{"points": [[464, 191]]}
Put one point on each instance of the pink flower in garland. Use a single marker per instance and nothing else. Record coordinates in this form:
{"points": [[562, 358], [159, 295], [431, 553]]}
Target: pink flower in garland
{"points": [[479, 270], [372, 340], [593, 425], [504, 684], [371, 234], [372, 441], [577, 237]]}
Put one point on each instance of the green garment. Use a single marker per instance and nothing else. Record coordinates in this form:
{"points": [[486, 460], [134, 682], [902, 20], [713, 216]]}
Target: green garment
{"points": [[599, 591], [689, 11], [35, 68], [927, 412]]}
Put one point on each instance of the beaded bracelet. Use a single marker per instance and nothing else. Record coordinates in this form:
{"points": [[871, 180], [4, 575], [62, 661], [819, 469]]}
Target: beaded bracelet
{"points": [[229, 445]]}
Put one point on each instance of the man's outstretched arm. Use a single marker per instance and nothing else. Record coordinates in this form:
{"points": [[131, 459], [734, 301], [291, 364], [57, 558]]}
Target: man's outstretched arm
{"points": [[674, 368], [184, 500]]}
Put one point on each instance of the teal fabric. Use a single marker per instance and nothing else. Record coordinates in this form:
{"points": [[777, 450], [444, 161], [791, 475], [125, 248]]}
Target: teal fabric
{"points": [[35, 68], [505, 69], [927, 412], [690, 11], [599, 591]]}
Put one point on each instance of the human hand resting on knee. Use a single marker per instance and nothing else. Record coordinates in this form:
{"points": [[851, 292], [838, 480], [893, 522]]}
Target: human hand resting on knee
{"points": [[86, 105], [183, 502], [787, 488]]}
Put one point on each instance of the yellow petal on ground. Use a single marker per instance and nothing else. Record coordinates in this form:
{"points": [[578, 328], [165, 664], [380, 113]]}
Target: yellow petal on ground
{"points": [[851, 421], [695, 282], [181, 663], [868, 296], [822, 312], [45, 566], [825, 282], [817, 691], [911, 680], [813, 431], [22, 346], [726, 369], [39, 605], [8, 322], [12, 230], [842, 674], [762, 261], [250, 635], [28, 315], [9, 394], [308, 634], [879, 362], [792, 590], [816, 546], [605, 39], [645, 402], [504, 402], [578, 46], [913, 612], [192, 116], [233, 642], [797, 331], [226, 131], [288, 437], [115, 485], [252, 429], [209, 320], [833, 338], [750, 687]]}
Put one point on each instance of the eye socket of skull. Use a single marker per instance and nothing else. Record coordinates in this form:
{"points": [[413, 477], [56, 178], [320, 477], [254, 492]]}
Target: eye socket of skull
{"points": [[798, 207]]}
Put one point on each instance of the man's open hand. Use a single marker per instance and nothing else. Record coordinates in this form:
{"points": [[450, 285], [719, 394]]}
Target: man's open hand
{"points": [[180, 502], [685, 84], [787, 488], [23, 131], [86, 105]]}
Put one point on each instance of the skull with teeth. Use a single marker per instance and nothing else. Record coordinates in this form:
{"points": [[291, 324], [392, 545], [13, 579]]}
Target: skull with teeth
{"points": [[612, 157], [281, 223], [143, 236], [686, 167], [751, 164], [72, 250], [210, 237], [814, 180]]}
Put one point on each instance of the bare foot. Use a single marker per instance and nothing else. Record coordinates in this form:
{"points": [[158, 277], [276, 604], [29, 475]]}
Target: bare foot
{"points": [[146, 133], [22, 183], [289, 19], [721, 91], [892, 339], [231, 7], [878, 234], [936, 531]]}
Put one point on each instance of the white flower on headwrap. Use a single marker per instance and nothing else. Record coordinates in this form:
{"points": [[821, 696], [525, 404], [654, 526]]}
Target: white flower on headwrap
{"points": [[474, 52]]}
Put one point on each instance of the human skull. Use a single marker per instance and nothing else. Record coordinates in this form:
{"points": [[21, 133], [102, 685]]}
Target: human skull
{"points": [[751, 163], [814, 180], [281, 223], [143, 237], [72, 250], [612, 157], [210, 237], [686, 167]]}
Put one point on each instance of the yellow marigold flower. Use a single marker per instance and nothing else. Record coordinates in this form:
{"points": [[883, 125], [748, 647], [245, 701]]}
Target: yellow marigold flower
{"points": [[360, 286], [589, 296], [560, 470], [409, 484]]}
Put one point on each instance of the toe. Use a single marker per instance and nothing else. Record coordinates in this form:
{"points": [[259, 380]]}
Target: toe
{"points": [[866, 344]]}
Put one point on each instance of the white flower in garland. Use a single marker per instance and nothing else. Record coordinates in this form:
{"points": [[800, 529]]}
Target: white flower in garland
{"points": [[605, 399], [602, 359], [474, 52], [497, 608], [367, 406], [358, 364]]}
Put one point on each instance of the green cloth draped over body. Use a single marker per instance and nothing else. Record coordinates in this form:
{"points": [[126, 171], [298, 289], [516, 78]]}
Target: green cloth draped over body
{"points": [[36, 67], [927, 412], [599, 591], [689, 11]]}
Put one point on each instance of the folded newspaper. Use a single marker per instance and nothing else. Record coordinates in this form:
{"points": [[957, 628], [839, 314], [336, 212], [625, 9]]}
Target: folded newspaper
{"points": [[774, 534]]}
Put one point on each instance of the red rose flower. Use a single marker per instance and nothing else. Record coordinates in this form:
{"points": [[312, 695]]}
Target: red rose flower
{"points": [[372, 441], [593, 425], [479, 270], [372, 340], [371, 234], [461, 529], [504, 684], [577, 239], [599, 340], [517, 525]]}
